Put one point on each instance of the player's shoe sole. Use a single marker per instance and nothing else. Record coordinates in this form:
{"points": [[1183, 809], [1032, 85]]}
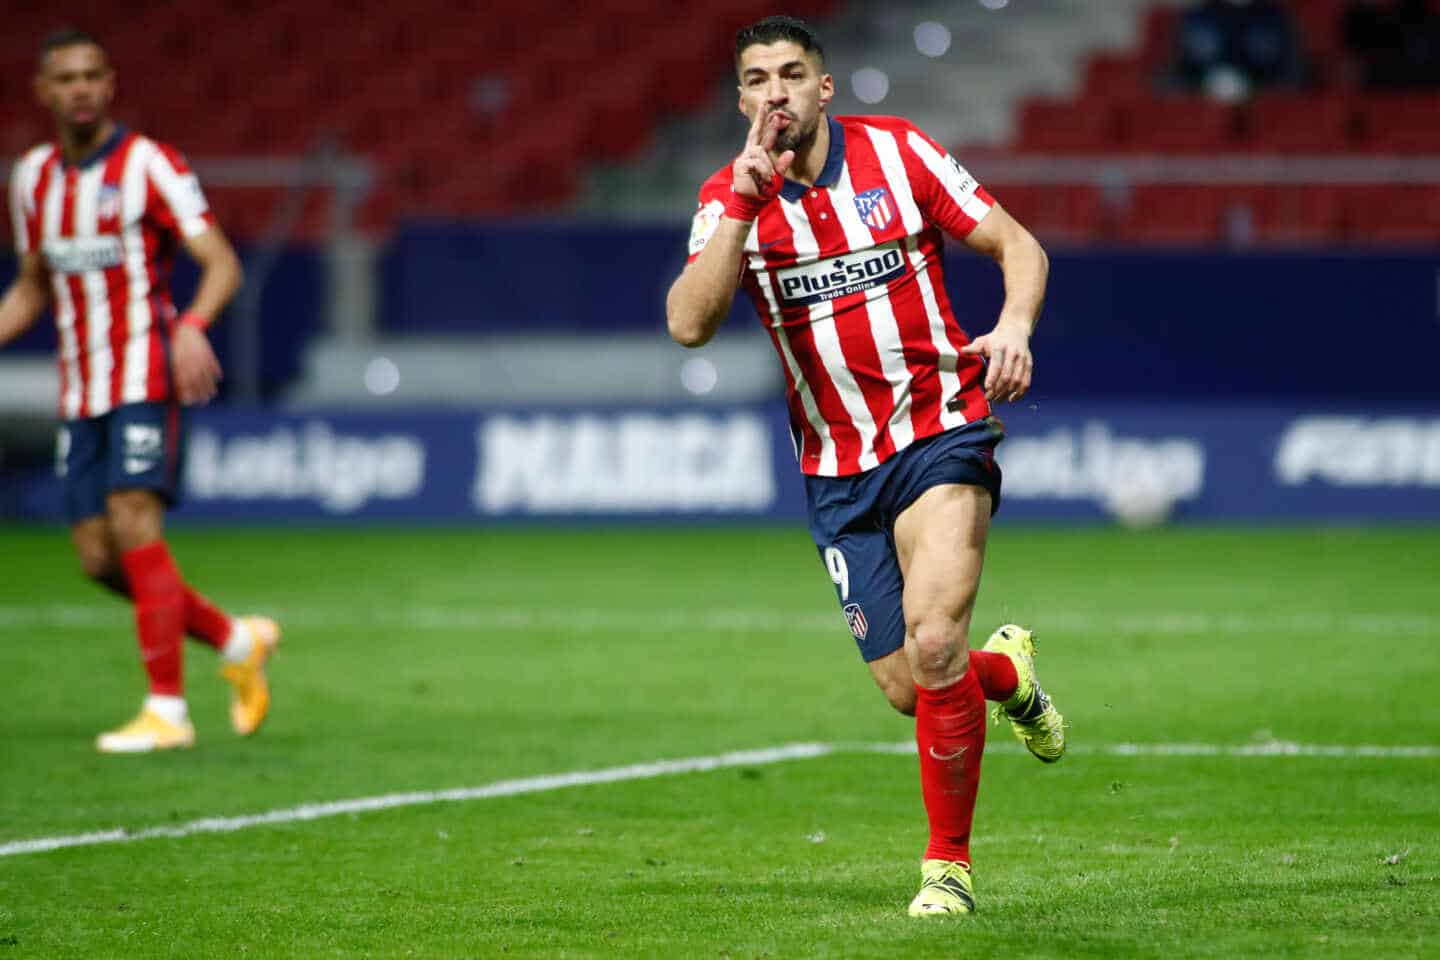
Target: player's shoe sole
{"points": [[945, 888], [1033, 718], [147, 733], [249, 689]]}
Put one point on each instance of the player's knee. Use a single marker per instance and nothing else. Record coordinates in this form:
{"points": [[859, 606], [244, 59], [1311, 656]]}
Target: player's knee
{"points": [[136, 517], [936, 646]]}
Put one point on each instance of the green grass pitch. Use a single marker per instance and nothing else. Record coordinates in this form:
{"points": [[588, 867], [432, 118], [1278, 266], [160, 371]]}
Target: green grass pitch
{"points": [[428, 660]]}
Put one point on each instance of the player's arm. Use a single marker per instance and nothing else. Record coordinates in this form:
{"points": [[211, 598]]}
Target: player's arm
{"points": [[26, 297], [1025, 267], [197, 371], [700, 297]]}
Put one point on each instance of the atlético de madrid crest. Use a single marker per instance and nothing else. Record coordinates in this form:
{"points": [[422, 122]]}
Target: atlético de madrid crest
{"points": [[875, 208], [107, 206], [855, 617]]}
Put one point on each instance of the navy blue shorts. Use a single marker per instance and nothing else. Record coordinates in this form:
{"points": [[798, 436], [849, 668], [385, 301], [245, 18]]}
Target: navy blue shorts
{"points": [[133, 447], [852, 520]]}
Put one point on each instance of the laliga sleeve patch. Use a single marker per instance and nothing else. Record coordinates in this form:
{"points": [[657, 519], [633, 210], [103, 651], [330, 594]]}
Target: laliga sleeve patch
{"points": [[958, 179], [703, 227]]}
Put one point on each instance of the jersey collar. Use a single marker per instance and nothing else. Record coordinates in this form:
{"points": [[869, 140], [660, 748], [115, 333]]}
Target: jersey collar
{"points": [[830, 175], [99, 153]]}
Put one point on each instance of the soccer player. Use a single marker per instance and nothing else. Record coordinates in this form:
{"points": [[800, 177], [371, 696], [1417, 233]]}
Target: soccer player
{"points": [[97, 217], [833, 227]]}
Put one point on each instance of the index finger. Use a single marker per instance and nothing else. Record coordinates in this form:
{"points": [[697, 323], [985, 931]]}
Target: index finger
{"points": [[752, 139]]}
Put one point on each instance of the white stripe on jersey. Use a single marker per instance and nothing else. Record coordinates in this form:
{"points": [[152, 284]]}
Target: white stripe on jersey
{"points": [[138, 315], [888, 152], [948, 358], [52, 212], [953, 177], [883, 327], [97, 297], [181, 193], [827, 340], [828, 459]]}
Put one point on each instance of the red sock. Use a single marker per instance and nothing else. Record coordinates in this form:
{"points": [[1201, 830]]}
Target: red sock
{"points": [[950, 732], [996, 673], [159, 596], [204, 621]]}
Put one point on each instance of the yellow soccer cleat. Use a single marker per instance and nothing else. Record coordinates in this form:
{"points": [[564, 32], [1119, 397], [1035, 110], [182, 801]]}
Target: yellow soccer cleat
{"points": [[1032, 716], [250, 694], [945, 888], [147, 733]]}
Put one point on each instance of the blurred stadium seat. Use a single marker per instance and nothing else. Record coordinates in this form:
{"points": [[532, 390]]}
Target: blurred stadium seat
{"points": [[481, 110]]}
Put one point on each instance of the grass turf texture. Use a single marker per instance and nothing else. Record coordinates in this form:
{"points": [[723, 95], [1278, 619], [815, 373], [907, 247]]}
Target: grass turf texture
{"points": [[428, 660]]}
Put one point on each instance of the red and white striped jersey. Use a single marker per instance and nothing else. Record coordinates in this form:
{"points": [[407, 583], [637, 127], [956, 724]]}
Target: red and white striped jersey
{"points": [[107, 229], [847, 277]]}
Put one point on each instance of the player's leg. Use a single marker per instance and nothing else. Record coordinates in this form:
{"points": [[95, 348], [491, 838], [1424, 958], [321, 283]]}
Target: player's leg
{"points": [[100, 561], [84, 456], [136, 522], [940, 543], [995, 671]]}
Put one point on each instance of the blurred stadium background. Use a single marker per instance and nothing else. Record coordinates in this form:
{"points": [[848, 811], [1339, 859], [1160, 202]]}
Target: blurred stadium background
{"points": [[459, 220]]}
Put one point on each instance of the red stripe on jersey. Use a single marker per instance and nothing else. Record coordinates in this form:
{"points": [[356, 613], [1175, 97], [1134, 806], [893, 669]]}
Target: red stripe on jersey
{"points": [[35, 226], [852, 327], [74, 284], [159, 254], [827, 398], [810, 441], [117, 279], [921, 357], [773, 233]]}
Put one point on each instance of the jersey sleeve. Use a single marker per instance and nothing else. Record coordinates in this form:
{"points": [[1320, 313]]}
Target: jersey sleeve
{"points": [[178, 203], [709, 209], [949, 197], [25, 178], [17, 211]]}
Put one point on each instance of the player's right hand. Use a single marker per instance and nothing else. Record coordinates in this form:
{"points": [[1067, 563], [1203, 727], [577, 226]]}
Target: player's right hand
{"points": [[756, 173], [196, 370]]}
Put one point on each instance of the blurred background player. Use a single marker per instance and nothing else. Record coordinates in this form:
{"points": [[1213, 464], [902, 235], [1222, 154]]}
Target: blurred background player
{"points": [[833, 227], [97, 216]]}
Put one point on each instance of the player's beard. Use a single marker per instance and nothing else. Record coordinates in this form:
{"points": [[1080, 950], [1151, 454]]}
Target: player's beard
{"points": [[794, 137]]}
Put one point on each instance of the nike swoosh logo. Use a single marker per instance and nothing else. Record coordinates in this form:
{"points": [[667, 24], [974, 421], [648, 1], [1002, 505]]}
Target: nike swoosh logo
{"points": [[946, 759]]}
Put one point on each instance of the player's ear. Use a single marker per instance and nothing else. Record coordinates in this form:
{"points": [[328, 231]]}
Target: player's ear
{"points": [[827, 89]]}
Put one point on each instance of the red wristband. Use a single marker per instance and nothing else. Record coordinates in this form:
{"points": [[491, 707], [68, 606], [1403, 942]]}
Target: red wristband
{"points": [[746, 208], [189, 319]]}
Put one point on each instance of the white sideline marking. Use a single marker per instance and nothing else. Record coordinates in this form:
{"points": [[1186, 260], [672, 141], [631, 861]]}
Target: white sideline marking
{"points": [[661, 768], [663, 621], [1266, 748]]}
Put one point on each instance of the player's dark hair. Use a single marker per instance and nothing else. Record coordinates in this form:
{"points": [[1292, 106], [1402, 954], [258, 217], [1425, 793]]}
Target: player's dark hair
{"points": [[64, 37], [775, 30]]}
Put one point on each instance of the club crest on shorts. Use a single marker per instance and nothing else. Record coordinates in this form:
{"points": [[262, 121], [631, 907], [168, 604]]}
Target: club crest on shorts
{"points": [[875, 208], [856, 618]]}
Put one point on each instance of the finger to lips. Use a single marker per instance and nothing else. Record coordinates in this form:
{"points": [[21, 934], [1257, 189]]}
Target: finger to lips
{"points": [[753, 137]]}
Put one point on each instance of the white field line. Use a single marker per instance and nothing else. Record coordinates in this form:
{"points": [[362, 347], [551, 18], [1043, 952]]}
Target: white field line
{"points": [[20, 616], [661, 768]]}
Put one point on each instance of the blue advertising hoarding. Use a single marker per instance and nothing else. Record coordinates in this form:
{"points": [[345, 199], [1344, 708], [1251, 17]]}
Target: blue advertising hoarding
{"points": [[1134, 463]]}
